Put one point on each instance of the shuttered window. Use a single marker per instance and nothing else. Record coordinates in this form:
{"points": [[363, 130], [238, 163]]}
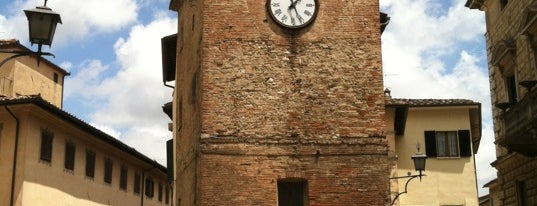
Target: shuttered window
{"points": [[160, 192], [137, 183], [46, 146], [108, 171], [123, 178], [149, 187], [90, 163], [69, 163], [448, 143]]}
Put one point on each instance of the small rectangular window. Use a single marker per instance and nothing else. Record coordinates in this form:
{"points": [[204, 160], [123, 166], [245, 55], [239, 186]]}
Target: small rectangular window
{"points": [[149, 187], [123, 178], [511, 89], [137, 182], [503, 3], [522, 193], [160, 192], [167, 195], [90, 163], [46, 146], [292, 192], [56, 78], [69, 163], [108, 170]]}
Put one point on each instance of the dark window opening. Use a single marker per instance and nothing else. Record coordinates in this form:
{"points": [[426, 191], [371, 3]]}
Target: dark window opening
{"points": [[123, 178], [503, 3], [69, 156], [149, 187], [55, 78], [511, 89], [160, 192], [137, 183], [167, 196], [108, 171], [292, 192], [46, 146], [522, 194], [90, 163]]}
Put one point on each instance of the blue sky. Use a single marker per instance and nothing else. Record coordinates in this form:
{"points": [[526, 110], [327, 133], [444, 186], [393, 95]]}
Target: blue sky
{"points": [[431, 49]]}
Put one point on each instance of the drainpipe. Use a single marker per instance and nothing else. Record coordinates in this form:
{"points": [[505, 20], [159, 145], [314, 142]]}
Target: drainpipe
{"points": [[11, 201]]}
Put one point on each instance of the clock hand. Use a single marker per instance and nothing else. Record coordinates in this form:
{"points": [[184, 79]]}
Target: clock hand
{"points": [[300, 19]]}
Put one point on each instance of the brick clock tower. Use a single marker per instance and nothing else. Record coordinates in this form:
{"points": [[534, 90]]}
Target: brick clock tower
{"points": [[279, 102]]}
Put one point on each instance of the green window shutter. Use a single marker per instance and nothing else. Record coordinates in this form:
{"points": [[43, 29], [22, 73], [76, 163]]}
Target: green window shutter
{"points": [[430, 143], [169, 159], [465, 145]]}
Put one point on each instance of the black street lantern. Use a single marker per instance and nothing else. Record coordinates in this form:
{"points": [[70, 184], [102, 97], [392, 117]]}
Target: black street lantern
{"points": [[42, 23], [419, 162]]}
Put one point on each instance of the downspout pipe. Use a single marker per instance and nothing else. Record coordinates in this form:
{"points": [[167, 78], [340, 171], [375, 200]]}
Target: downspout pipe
{"points": [[13, 174]]}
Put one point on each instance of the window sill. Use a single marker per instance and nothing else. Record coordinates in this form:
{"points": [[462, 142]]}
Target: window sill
{"points": [[448, 158]]}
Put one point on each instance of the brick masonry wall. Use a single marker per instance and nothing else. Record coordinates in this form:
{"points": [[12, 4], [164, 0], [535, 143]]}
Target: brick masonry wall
{"points": [[277, 104]]}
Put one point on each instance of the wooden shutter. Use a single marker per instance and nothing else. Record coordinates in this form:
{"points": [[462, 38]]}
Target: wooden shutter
{"points": [[123, 178], [90, 163], [169, 159], [108, 171], [465, 145], [46, 146], [69, 156], [430, 143], [137, 183]]}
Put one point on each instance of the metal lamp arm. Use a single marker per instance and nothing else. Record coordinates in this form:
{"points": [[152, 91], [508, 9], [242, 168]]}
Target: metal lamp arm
{"points": [[24, 53]]}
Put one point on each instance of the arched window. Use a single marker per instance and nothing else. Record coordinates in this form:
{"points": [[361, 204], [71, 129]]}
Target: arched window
{"points": [[528, 28], [504, 58]]}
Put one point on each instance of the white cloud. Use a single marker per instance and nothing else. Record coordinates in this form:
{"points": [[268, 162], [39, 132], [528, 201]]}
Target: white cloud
{"points": [[81, 19], [129, 98], [431, 52]]}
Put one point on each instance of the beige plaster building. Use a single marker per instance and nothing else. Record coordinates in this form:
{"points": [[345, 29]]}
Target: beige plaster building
{"points": [[448, 131], [50, 157], [512, 60]]}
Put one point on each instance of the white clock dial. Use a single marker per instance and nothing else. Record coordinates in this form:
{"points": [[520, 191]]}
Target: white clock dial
{"points": [[293, 13]]}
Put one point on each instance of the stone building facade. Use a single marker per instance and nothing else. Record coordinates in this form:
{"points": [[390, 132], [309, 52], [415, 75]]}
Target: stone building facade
{"points": [[512, 53], [263, 114]]}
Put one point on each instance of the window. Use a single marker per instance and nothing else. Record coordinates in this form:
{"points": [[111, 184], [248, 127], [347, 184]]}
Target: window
{"points": [[137, 183], [448, 143], [510, 83], [149, 187], [123, 178], [522, 193], [46, 146], [90, 163], [160, 192], [108, 170], [69, 163], [292, 192], [503, 3], [167, 196], [55, 77]]}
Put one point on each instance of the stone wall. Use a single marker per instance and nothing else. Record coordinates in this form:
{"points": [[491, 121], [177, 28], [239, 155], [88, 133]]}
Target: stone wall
{"points": [[277, 104]]}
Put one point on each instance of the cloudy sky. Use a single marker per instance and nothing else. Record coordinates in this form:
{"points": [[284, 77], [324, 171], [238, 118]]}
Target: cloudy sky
{"points": [[431, 49]]}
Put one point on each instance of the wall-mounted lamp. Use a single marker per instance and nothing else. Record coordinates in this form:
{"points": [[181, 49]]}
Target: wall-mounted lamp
{"points": [[42, 23], [419, 164]]}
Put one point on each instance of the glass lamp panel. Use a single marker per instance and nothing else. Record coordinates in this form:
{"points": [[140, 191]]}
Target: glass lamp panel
{"points": [[40, 28]]}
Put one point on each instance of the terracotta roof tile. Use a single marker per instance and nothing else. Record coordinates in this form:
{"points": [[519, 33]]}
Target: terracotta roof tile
{"points": [[429, 102]]}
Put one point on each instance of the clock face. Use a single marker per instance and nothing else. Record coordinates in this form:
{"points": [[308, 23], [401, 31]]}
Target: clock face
{"points": [[293, 13]]}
